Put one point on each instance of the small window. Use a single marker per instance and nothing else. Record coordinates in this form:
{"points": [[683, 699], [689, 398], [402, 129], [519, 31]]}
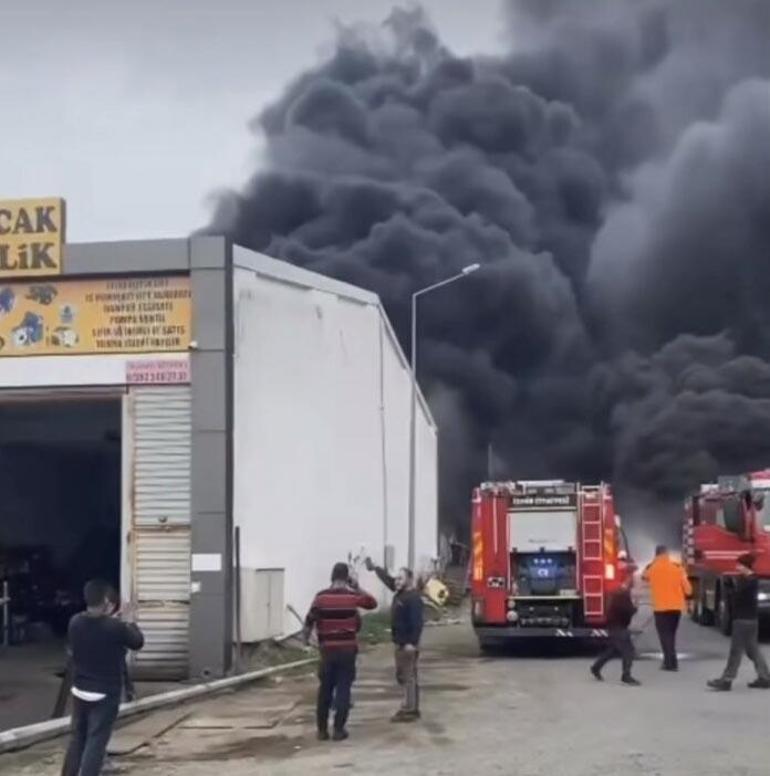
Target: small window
{"points": [[733, 515], [708, 509]]}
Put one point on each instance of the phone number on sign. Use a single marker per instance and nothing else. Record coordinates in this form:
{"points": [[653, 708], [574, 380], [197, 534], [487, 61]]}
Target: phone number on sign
{"points": [[144, 373]]}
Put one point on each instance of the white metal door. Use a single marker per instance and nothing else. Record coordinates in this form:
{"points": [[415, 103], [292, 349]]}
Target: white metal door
{"points": [[158, 438], [262, 593]]}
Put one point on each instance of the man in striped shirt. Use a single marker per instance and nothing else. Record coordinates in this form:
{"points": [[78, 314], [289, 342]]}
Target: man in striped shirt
{"points": [[334, 615]]}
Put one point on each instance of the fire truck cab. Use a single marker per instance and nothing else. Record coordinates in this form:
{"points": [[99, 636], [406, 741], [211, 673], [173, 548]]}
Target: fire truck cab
{"points": [[723, 521], [546, 555]]}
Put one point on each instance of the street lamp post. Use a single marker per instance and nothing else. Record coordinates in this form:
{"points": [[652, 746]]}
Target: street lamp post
{"points": [[413, 413]]}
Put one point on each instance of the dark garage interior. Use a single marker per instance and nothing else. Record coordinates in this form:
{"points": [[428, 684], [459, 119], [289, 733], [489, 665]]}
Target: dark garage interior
{"points": [[60, 507]]}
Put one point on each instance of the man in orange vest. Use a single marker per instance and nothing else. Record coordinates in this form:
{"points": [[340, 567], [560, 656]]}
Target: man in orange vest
{"points": [[670, 588]]}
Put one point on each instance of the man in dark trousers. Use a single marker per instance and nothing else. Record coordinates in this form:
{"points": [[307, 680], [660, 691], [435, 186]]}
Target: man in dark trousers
{"points": [[406, 629], [619, 615], [669, 589], [98, 640], [745, 635], [334, 615]]}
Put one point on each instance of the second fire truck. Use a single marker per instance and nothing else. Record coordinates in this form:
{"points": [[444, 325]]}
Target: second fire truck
{"points": [[546, 556], [722, 522]]}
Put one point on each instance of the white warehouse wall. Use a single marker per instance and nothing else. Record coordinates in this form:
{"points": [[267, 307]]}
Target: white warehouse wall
{"points": [[321, 429]]}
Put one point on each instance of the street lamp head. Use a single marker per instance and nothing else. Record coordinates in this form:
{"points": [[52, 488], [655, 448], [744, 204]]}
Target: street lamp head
{"points": [[471, 268]]}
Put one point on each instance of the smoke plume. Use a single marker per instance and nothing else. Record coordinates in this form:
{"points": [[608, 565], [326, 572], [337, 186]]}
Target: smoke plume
{"points": [[610, 174]]}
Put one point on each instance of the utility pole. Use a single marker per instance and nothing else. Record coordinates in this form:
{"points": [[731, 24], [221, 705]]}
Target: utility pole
{"points": [[413, 412]]}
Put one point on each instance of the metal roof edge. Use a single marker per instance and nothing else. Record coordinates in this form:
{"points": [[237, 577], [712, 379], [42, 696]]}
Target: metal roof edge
{"points": [[259, 263]]}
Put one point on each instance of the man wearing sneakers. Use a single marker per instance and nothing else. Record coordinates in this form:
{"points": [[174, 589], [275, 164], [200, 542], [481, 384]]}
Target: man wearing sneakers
{"points": [[619, 615], [745, 636]]}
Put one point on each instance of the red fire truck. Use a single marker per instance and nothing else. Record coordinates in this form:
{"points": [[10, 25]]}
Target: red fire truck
{"points": [[545, 556], [723, 521]]}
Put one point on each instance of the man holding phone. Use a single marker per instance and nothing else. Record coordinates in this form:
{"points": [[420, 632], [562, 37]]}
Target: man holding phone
{"points": [[98, 640]]}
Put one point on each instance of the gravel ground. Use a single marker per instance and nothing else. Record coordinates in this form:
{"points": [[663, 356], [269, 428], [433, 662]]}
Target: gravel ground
{"points": [[528, 714]]}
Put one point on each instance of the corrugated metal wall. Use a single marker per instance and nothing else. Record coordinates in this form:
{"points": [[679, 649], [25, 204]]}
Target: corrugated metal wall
{"points": [[161, 445]]}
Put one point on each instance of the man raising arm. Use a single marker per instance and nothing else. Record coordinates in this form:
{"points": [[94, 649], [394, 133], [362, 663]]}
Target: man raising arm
{"points": [[334, 615], [406, 628]]}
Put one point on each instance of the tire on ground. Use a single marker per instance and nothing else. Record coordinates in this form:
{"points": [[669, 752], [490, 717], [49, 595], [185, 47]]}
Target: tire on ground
{"points": [[706, 615], [723, 617]]}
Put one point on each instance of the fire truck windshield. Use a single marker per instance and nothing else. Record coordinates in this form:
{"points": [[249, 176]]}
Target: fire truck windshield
{"points": [[543, 530]]}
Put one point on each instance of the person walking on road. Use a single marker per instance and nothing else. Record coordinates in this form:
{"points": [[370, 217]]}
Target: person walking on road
{"points": [[745, 635], [334, 615], [669, 587], [406, 629], [619, 615], [98, 641]]}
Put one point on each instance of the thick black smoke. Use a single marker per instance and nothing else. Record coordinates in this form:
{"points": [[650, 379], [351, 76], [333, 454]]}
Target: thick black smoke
{"points": [[610, 174]]}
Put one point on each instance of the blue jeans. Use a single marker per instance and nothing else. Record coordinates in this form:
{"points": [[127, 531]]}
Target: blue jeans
{"points": [[337, 672], [92, 723]]}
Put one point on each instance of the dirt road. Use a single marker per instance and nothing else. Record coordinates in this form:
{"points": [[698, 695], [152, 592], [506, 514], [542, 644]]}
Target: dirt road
{"points": [[532, 716]]}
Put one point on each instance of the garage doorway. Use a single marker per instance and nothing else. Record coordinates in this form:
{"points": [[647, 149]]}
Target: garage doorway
{"points": [[60, 525]]}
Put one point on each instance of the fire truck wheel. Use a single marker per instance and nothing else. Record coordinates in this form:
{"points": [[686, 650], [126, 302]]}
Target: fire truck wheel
{"points": [[724, 618], [489, 647], [696, 609], [706, 615]]}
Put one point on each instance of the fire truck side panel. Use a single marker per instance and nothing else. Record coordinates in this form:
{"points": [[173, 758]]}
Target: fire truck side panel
{"points": [[491, 572]]}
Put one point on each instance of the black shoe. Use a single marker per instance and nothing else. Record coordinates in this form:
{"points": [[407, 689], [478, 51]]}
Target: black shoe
{"points": [[405, 716], [673, 669], [631, 682], [597, 674], [720, 685], [760, 684], [322, 735], [340, 735]]}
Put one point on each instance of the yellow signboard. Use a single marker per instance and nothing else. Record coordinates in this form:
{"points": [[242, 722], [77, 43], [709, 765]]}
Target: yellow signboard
{"points": [[124, 315], [31, 237]]}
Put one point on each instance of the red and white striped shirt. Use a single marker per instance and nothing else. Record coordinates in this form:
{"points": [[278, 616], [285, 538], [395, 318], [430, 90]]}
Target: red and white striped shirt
{"points": [[334, 615]]}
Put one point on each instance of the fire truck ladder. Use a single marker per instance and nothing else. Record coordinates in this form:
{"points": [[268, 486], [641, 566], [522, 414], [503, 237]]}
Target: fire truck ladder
{"points": [[592, 552]]}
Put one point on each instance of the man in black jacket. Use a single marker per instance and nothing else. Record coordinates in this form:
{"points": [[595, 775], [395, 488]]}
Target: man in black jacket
{"points": [[745, 636], [98, 640], [406, 629], [619, 615]]}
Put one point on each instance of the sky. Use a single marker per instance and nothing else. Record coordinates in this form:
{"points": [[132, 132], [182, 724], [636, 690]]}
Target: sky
{"points": [[136, 111]]}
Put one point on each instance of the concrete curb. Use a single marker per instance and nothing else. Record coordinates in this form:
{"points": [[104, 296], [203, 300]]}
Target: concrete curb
{"points": [[18, 738]]}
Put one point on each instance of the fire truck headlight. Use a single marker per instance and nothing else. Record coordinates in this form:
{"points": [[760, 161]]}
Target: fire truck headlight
{"points": [[512, 616], [609, 571], [763, 595]]}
